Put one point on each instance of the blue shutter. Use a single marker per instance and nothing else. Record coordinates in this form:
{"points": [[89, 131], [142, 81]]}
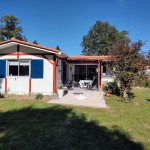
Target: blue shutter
{"points": [[36, 68], [2, 68]]}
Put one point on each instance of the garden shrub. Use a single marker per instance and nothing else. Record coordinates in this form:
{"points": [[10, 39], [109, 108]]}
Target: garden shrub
{"points": [[39, 96], [111, 87], [146, 82]]}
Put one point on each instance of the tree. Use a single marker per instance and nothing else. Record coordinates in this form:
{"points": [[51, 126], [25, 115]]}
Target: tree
{"points": [[1, 36], [127, 64], [57, 47], [101, 38], [35, 42], [148, 57], [9, 28]]}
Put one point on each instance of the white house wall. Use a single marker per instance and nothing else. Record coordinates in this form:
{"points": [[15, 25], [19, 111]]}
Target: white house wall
{"points": [[107, 79], [20, 85], [44, 85], [2, 85]]}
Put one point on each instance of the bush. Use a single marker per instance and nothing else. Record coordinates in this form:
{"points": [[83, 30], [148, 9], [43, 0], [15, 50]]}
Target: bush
{"points": [[39, 96], [111, 87], [146, 82]]}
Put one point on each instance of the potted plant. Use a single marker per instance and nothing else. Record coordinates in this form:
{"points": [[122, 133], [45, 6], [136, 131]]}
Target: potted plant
{"points": [[60, 91]]}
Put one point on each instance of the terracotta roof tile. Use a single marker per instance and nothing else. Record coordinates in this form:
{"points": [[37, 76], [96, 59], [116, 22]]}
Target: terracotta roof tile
{"points": [[29, 44], [88, 57]]}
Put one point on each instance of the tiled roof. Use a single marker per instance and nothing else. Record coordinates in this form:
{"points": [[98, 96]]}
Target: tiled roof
{"points": [[88, 57], [29, 44]]}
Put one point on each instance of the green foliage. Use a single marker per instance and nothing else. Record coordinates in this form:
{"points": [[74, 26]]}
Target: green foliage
{"points": [[127, 64], [39, 96], [111, 87], [9, 27], [101, 37], [146, 82], [60, 87], [148, 57]]}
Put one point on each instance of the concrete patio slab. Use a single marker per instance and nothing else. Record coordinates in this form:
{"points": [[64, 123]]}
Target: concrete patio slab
{"points": [[94, 98]]}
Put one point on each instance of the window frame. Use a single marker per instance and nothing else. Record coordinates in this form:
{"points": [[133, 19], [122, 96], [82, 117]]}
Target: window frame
{"points": [[19, 60]]}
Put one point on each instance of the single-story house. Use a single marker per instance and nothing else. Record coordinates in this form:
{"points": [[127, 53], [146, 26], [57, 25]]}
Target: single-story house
{"points": [[26, 67], [147, 70]]}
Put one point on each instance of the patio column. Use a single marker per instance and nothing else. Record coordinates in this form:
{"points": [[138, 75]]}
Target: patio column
{"points": [[99, 75], [54, 73]]}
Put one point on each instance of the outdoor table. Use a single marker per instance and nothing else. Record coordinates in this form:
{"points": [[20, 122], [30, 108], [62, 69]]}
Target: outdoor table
{"points": [[84, 83]]}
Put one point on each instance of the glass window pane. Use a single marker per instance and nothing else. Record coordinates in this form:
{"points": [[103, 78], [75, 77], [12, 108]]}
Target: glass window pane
{"points": [[13, 63], [24, 63], [80, 72], [104, 69], [13, 70], [23, 68], [91, 72], [18, 68]]}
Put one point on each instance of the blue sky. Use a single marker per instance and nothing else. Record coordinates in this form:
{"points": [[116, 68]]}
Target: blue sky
{"points": [[65, 22]]}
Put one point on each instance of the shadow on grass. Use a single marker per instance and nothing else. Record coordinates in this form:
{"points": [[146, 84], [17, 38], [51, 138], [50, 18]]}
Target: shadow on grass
{"points": [[1, 96], [58, 128], [148, 100]]}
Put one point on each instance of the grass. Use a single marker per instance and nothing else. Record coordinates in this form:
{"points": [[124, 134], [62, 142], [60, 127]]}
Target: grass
{"points": [[37, 125]]}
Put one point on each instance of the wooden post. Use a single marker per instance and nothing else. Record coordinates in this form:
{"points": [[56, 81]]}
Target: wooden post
{"points": [[54, 73], [99, 75], [5, 84]]}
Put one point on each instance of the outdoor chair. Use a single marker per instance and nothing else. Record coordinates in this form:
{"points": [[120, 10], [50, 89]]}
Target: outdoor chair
{"points": [[69, 85], [93, 85]]}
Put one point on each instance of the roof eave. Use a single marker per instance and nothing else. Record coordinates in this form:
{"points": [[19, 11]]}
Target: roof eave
{"points": [[12, 43]]}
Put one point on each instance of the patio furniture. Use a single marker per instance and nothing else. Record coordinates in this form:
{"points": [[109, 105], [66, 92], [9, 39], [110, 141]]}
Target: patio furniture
{"points": [[69, 85], [93, 85], [84, 83]]}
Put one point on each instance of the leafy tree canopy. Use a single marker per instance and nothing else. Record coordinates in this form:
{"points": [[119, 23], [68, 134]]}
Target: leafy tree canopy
{"points": [[127, 64], [148, 57], [101, 37], [9, 27]]}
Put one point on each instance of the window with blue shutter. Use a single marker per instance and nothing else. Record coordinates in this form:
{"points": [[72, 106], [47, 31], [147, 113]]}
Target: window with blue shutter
{"points": [[2, 68], [36, 68]]}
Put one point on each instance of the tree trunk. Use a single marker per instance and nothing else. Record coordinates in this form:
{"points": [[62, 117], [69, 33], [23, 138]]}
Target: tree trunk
{"points": [[125, 95]]}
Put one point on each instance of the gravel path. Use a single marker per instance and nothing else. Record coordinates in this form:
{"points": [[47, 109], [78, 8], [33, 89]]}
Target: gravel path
{"points": [[93, 99]]}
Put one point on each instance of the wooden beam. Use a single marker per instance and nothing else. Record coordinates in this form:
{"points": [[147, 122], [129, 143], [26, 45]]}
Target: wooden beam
{"points": [[54, 73], [5, 84], [99, 75]]}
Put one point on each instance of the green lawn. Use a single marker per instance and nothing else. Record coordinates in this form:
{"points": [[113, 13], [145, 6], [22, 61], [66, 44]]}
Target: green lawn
{"points": [[37, 125]]}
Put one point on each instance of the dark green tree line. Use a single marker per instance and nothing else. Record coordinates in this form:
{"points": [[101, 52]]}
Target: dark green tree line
{"points": [[100, 38], [10, 27]]}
